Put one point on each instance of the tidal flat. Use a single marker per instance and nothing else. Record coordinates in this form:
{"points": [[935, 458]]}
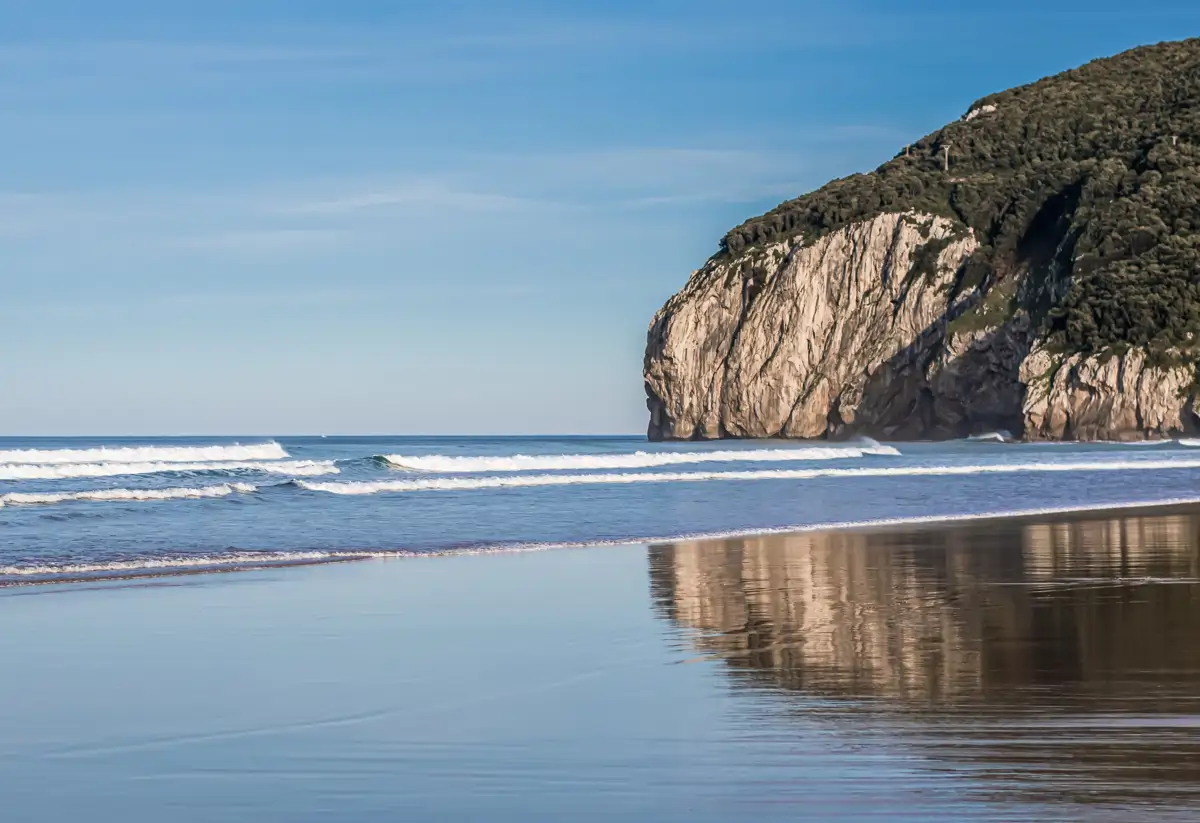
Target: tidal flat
{"points": [[1009, 669]]}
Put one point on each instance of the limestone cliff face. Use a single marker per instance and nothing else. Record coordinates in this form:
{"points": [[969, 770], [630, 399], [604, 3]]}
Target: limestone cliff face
{"points": [[870, 330], [1117, 398]]}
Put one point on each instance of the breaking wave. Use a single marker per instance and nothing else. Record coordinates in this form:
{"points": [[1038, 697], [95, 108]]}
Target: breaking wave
{"points": [[167, 565], [517, 481], [248, 560], [56, 471], [35, 498], [147, 454], [637, 460], [991, 437]]}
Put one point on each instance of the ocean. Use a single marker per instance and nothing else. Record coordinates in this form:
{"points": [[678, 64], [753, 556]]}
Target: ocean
{"points": [[601, 630], [82, 508], [1016, 669]]}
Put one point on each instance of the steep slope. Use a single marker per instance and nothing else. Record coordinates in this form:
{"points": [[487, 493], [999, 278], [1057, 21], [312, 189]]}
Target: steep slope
{"points": [[1034, 267]]}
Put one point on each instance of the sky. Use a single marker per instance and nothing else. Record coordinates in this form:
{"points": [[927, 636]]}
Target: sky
{"points": [[355, 216]]}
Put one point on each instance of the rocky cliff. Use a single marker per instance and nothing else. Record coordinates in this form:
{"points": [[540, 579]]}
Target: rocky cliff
{"points": [[1032, 267]]}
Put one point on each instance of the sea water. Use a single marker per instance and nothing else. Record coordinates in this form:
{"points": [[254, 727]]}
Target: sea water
{"points": [[1019, 669], [117, 507]]}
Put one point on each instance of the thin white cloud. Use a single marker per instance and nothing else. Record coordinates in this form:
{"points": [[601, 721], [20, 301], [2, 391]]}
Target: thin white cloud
{"points": [[265, 241], [418, 194], [648, 176], [478, 45], [138, 304], [94, 53], [732, 194], [298, 216]]}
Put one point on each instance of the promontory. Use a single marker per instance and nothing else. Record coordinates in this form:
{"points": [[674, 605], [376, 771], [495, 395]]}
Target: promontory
{"points": [[1033, 267]]}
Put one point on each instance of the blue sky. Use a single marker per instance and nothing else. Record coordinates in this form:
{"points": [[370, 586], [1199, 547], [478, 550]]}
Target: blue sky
{"points": [[453, 217]]}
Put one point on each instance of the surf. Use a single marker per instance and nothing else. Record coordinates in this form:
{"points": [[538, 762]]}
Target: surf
{"points": [[125, 495], [447, 464], [59, 471], [32, 573], [269, 450], [991, 437], [519, 481]]}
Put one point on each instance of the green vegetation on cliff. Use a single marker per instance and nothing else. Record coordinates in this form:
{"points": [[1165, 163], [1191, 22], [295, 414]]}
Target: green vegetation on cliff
{"points": [[1085, 187]]}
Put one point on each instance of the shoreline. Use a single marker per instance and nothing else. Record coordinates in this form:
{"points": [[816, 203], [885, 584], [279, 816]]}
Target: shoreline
{"points": [[125, 572], [681, 681]]}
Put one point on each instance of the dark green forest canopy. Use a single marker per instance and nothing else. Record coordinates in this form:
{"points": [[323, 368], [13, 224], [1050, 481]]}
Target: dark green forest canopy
{"points": [[1084, 185]]}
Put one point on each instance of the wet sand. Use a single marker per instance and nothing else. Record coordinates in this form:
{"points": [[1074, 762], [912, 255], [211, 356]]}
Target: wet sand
{"points": [[1042, 668]]}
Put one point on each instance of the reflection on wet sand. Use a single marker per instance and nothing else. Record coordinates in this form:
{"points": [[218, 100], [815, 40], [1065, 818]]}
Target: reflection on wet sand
{"points": [[1059, 655]]}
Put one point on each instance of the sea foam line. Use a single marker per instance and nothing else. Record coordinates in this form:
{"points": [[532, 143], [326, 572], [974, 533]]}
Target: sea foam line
{"points": [[54, 573], [120, 495], [991, 437], [516, 481], [636, 460], [184, 562], [147, 454], [57, 471]]}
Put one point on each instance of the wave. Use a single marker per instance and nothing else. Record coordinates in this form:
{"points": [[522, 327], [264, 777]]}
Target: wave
{"points": [[1006, 437], [147, 454], [991, 437], [249, 560], [181, 563], [1166, 441], [516, 481], [636, 460], [1132, 443], [58, 471], [120, 495], [1078, 443]]}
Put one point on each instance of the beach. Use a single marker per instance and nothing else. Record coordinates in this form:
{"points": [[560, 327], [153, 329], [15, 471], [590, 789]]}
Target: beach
{"points": [[633, 412], [1014, 668]]}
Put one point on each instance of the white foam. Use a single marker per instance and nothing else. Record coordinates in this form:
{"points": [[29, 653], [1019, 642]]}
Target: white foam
{"points": [[1188, 441], [635, 460], [57, 471], [248, 559], [466, 483], [182, 562], [119, 495], [147, 454], [991, 437]]}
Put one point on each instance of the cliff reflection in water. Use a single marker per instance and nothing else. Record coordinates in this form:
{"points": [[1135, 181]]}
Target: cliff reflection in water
{"points": [[1064, 649]]}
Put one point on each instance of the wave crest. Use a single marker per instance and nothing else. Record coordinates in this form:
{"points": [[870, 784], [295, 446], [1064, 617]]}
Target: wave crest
{"points": [[446, 464], [149, 565], [15, 575], [59, 471], [148, 454], [518, 481], [991, 437], [121, 495]]}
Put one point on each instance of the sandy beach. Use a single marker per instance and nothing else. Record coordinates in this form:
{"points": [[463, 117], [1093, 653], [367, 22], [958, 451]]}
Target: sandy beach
{"points": [[1022, 668], [672, 412]]}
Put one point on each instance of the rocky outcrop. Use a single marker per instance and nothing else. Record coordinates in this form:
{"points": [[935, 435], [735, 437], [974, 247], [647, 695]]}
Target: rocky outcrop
{"points": [[871, 329], [1119, 397], [784, 343], [1030, 266]]}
